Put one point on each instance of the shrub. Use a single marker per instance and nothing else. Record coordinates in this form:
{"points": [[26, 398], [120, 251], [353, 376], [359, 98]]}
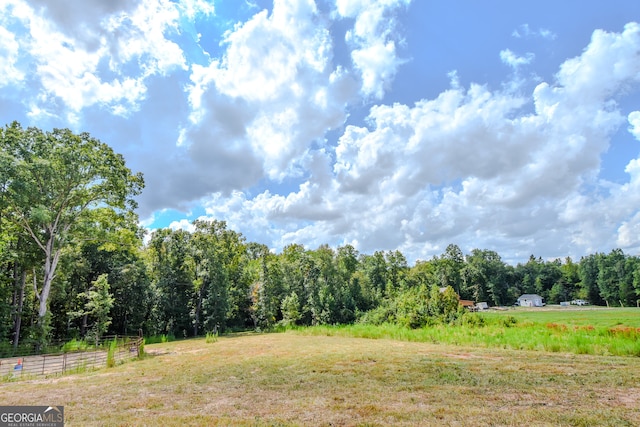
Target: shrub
{"points": [[74, 345], [471, 320], [509, 321]]}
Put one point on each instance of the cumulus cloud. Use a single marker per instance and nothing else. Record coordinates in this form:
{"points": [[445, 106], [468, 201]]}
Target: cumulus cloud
{"points": [[258, 108], [476, 167], [10, 74], [94, 52], [374, 51], [268, 106]]}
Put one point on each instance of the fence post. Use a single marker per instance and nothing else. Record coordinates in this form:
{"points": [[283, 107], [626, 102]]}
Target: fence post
{"points": [[44, 358]]}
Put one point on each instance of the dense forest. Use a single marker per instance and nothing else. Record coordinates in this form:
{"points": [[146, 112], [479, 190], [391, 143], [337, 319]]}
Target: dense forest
{"points": [[73, 263]]}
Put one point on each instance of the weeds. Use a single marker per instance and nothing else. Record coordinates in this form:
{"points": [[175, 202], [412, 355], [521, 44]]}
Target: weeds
{"points": [[164, 338], [509, 332], [111, 354], [211, 337], [75, 345]]}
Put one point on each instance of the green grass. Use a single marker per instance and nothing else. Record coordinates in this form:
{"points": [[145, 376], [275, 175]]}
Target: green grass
{"points": [[571, 331], [598, 317], [154, 339]]}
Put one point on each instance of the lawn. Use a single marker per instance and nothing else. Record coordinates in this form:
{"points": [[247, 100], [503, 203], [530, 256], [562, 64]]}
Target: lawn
{"points": [[598, 317], [295, 378]]}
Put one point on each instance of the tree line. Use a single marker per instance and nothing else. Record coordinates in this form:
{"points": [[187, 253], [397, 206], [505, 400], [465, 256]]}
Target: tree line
{"points": [[73, 263]]}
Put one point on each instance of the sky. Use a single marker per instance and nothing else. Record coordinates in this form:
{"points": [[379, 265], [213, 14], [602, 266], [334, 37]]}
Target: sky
{"points": [[385, 124]]}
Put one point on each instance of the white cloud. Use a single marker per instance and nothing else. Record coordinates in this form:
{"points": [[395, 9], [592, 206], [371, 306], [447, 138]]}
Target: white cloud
{"points": [[508, 169], [474, 167], [515, 61], [69, 47], [374, 41], [183, 224], [634, 121], [610, 59], [9, 73], [193, 8], [272, 94], [524, 31]]}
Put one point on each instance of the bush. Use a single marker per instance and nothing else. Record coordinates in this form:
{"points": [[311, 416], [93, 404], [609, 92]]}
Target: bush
{"points": [[509, 321], [378, 316], [75, 345], [471, 320], [416, 308], [155, 339]]}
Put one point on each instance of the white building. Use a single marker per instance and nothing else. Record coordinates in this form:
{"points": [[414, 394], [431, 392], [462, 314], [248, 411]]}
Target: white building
{"points": [[530, 300]]}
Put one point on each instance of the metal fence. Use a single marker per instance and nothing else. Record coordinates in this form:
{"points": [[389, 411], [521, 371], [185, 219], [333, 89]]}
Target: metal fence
{"points": [[75, 361]]}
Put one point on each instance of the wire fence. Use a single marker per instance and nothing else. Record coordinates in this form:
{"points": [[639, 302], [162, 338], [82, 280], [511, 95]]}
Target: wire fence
{"points": [[125, 348]]}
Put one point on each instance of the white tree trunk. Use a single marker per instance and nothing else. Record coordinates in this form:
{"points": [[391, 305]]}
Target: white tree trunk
{"points": [[50, 264]]}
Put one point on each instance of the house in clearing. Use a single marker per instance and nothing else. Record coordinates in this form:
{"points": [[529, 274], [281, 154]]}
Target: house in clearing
{"points": [[530, 300]]}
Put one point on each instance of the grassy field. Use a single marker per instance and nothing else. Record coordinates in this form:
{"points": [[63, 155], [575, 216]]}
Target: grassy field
{"points": [[597, 331], [291, 378], [598, 317]]}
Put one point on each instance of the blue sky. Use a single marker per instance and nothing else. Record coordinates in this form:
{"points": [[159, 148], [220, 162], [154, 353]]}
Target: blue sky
{"points": [[389, 124]]}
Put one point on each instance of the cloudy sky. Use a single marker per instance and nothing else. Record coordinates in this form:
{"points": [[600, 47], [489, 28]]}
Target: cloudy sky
{"points": [[386, 124]]}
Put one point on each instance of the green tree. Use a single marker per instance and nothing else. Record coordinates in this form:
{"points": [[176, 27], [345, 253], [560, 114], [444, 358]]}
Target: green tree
{"points": [[484, 277], [291, 309], [97, 306], [55, 180], [588, 286], [613, 281], [172, 272], [268, 291], [375, 268], [449, 267]]}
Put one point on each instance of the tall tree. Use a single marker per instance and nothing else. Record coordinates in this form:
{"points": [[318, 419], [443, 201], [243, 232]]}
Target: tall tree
{"points": [[173, 278], [450, 267], [55, 179], [588, 272], [98, 302], [611, 276]]}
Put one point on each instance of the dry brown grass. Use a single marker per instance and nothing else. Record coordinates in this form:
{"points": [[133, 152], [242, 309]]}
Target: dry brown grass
{"points": [[292, 379]]}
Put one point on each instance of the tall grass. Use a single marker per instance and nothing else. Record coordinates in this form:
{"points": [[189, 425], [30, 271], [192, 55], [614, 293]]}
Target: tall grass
{"points": [[155, 339], [211, 337], [505, 331], [111, 354]]}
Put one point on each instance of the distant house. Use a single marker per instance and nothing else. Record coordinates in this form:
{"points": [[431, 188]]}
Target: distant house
{"points": [[470, 305], [530, 300], [482, 306]]}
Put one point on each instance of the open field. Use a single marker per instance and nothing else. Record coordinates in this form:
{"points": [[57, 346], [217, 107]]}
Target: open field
{"points": [[296, 379], [598, 331], [575, 316]]}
